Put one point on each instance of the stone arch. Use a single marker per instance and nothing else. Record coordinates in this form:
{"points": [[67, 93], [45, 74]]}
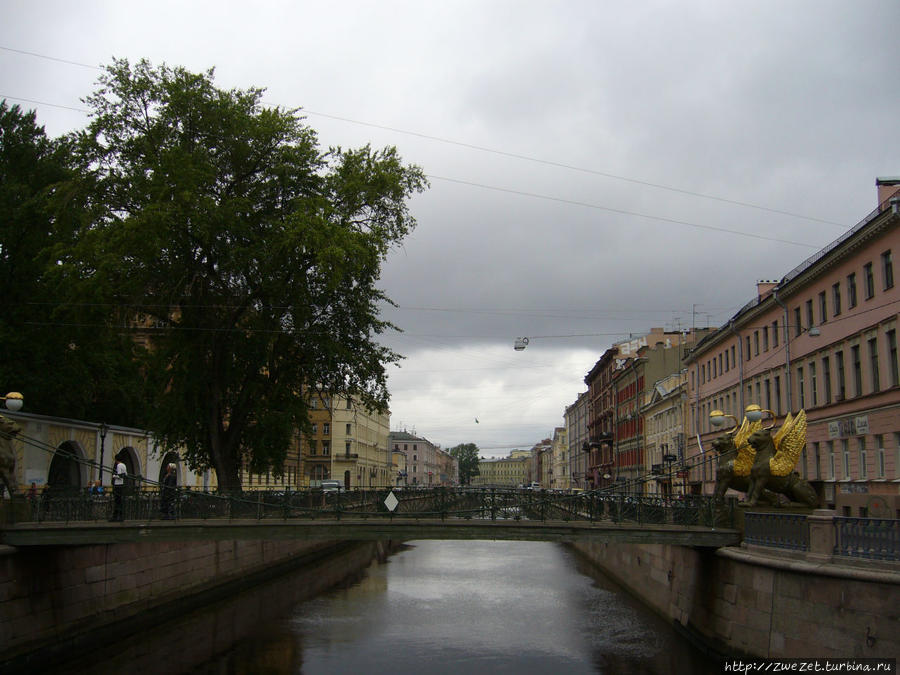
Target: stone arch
{"points": [[128, 455], [170, 457], [68, 470]]}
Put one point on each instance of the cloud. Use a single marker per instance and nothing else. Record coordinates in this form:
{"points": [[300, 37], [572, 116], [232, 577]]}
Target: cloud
{"points": [[597, 169]]}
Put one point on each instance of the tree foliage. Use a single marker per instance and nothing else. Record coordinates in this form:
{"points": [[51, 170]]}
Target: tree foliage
{"points": [[62, 357], [467, 456], [248, 256]]}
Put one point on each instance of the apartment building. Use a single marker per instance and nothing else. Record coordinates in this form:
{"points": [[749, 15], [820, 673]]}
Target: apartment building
{"points": [[822, 339], [618, 387], [577, 435], [560, 478], [422, 465], [663, 414], [511, 471]]}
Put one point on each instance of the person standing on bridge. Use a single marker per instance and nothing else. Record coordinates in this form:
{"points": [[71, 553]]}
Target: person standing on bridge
{"points": [[168, 488], [118, 485]]}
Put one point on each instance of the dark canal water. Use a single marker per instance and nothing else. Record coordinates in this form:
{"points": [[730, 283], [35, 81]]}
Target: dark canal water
{"points": [[434, 607]]}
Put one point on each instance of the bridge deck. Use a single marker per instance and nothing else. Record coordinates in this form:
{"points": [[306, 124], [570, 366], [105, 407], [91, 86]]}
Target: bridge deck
{"points": [[348, 528]]}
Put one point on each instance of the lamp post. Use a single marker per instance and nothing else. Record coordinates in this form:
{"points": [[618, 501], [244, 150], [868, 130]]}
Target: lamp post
{"points": [[14, 401], [104, 429]]}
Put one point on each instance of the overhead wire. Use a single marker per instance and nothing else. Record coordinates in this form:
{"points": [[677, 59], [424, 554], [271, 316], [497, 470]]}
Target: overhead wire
{"points": [[479, 148]]}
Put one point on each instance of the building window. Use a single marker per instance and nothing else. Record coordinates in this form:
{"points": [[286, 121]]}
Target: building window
{"points": [[774, 333], [765, 338], [326, 447], [809, 314], [836, 299], [823, 308], [879, 455], [726, 360], [800, 391], [732, 355], [315, 427], [768, 395], [845, 449], [777, 395], [851, 290], [813, 394], [869, 278], [887, 270], [747, 340], [798, 322], [857, 370], [826, 378], [873, 361], [842, 383], [756, 343], [818, 461], [831, 460], [349, 430], [347, 448], [863, 467], [312, 446], [326, 428], [892, 350], [349, 404]]}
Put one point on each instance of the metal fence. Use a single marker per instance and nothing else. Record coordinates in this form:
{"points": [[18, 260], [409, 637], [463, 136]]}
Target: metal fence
{"points": [[779, 530], [872, 538], [443, 503]]}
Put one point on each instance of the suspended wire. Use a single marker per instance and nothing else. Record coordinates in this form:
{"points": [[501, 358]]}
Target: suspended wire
{"points": [[479, 148]]}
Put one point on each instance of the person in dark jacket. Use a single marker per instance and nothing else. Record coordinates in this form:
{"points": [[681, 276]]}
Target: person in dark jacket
{"points": [[168, 489]]}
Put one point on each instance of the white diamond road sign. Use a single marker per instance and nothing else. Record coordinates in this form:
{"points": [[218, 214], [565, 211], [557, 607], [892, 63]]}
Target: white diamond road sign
{"points": [[391, 501]]}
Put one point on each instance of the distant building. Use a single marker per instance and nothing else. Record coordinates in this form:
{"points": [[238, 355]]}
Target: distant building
{"points": [[511, 471], [560, 478], [664, 434], [346, 442], [577, 434], [422, 464]]}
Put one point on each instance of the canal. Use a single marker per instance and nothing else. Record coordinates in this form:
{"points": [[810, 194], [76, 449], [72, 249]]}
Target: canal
{"points": [[434, 606]]}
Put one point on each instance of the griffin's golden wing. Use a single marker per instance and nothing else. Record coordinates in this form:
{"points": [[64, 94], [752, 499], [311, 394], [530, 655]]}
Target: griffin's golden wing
{"points": [[745, 452], [789, 443]]}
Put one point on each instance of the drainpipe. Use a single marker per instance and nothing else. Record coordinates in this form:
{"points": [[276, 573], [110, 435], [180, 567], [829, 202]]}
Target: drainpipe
{"points": [[787, 350], [740, 367]]}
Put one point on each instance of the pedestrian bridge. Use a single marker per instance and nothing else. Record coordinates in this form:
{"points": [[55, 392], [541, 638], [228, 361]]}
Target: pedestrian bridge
{"points": [[440, 513]]}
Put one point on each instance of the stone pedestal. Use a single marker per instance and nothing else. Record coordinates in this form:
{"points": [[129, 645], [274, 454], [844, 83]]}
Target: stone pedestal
{"points": [[821, 535]]}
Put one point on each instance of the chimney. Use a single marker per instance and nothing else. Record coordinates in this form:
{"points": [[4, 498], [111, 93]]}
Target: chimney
{"points": [[764, 288], [888, 191]]}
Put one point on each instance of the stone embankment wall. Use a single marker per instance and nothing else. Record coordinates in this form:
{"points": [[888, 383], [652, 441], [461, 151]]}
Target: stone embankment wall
{"points": [[54, 600], [761, 602]]}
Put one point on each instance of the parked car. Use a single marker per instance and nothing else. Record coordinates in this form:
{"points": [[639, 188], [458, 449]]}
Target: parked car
{"points": [[332, 486]]}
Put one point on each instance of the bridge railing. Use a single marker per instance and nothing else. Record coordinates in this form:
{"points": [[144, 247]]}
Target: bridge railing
{"points": [[823, 535], [442, 503]]}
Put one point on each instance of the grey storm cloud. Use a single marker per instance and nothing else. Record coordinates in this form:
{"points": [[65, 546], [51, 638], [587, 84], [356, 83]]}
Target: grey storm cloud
{"points": [[596, 168]]}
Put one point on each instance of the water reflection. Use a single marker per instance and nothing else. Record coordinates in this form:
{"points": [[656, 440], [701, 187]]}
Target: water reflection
{"points": [[440, 606]]}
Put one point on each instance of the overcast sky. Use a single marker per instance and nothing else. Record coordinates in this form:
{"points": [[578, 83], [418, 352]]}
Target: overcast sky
{"points": [[597, 168]]}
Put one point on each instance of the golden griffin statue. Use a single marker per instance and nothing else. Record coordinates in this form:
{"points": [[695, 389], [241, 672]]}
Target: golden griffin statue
{"points": [[753, 461]]}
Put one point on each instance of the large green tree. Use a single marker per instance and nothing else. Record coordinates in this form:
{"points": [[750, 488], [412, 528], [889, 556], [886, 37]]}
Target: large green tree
{"points": [[63, 357], [250, 256], [467, 455]]}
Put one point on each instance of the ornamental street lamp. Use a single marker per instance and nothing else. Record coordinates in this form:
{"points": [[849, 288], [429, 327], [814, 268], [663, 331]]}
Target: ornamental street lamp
{"points": [[14, 401], [104, 429]]}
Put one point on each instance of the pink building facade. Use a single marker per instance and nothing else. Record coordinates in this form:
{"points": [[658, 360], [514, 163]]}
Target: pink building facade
{"points": [[823, 339]]}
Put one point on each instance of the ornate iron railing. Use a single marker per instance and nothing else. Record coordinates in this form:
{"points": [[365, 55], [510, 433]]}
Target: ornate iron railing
{"points": [[779, 530], [872, 538], [433, 503]]}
